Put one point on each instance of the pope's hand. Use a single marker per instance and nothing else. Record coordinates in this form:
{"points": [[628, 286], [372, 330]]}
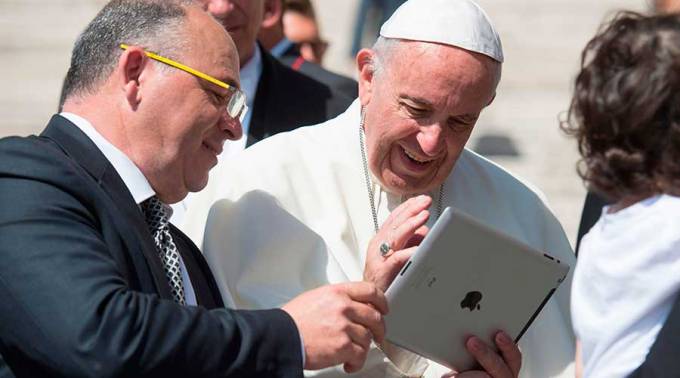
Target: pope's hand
{"points": [[403, 230], [338, 323], [505, 365]]}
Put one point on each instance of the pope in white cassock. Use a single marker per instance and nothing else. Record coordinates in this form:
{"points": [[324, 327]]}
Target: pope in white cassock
{"points": [[313, 206]]}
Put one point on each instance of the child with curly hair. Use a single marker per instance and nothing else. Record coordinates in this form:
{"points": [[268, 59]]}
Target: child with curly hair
{"points": [[625, 115]]}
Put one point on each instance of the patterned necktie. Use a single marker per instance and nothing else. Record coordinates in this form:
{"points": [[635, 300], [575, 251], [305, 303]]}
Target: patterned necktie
{"points": [[157, 218]]}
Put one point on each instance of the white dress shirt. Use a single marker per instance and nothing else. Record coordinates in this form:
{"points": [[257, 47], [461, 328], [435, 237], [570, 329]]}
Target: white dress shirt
{"points": [[250, 78], [133, 179]]}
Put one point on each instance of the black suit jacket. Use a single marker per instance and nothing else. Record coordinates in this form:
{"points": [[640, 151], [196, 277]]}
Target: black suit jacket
{"points": [[83, 290], [286, 99], [662, 360], [291, 58]]}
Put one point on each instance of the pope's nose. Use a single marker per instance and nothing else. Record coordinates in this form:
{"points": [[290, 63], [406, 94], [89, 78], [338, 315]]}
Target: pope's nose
{"points": [[431, 140]]}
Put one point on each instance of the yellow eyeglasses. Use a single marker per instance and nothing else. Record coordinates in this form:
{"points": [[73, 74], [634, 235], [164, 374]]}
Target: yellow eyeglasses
{"points": [[236, 101]]}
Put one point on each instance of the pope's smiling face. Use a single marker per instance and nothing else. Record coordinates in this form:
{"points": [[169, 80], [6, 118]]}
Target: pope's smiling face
{"points": [[420, 109]]}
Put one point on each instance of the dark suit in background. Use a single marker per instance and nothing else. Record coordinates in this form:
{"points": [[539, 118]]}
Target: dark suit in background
{"points": [[291, 58], [663, 358], [81, 278], [286, 99]]}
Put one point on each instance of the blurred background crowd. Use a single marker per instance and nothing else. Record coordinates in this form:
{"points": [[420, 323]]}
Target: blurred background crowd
{"points": [[542, 42]]}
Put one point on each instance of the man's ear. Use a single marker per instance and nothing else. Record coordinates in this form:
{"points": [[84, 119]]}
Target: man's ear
{"points": [[131, 65], [366, 66], [273, 11]]}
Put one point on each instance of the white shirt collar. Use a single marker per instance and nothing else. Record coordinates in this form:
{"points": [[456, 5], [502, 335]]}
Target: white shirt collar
{"points": [[250, 77], [281, 47], [132, 177]]}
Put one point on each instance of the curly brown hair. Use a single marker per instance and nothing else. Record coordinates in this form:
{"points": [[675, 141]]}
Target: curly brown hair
{"points": [[625, 111]]}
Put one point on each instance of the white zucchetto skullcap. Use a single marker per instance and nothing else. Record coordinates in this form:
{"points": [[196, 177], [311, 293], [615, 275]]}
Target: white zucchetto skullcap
{"points": [[459, 23]]}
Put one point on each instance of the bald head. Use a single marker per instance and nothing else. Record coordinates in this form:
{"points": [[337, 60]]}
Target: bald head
{"points": [[155, 24]]}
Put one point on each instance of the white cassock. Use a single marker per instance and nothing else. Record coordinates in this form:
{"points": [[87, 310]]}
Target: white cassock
{"points": [[292, 213]]}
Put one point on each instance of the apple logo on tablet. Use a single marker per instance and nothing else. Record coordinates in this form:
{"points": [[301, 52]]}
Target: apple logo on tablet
{"points": [[471, 301]]}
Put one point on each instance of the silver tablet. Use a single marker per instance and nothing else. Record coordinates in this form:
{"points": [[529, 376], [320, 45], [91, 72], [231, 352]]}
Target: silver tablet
{"points": [[467, 279]]}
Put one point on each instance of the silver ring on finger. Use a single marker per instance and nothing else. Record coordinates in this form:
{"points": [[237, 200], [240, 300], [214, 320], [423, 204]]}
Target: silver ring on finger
{"points": [[385, 249]]}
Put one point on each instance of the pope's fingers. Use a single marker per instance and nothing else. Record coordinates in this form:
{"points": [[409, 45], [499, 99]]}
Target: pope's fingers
{"points": [[398, 259], [510, 352], [490, 361], [407, 229], [417, 237], [409, 208], [392, 265]]}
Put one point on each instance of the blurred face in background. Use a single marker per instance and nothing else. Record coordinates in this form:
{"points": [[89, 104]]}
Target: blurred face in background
{"points": [[667, 6], [304, 31], [242, 19]]}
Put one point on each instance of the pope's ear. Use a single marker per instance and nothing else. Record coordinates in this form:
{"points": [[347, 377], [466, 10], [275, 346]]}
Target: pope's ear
{"points": [[131, 65], [366, 66]]}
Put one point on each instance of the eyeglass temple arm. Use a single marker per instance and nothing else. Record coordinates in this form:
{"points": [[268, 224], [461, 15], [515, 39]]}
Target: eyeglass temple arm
{"points": [[182, 67]]}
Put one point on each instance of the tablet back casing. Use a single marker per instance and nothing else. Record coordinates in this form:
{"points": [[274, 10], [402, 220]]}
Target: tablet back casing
{"points": [[467, 279]]}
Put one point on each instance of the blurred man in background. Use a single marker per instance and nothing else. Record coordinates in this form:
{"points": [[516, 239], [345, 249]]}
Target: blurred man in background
{"points": [[667, 6], [279, 98], [294, 39]]}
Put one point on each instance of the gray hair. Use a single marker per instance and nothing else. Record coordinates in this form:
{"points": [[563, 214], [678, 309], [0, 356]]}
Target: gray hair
{"points": [[383, 49], [153, 24]]}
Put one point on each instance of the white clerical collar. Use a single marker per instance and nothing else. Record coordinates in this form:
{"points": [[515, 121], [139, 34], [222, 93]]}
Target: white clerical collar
{"points": [[250, 77], [132, 177], [281, 47]]}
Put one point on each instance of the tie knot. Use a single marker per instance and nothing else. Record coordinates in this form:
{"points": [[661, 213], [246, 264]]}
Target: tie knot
{"points": [[156, 213]]}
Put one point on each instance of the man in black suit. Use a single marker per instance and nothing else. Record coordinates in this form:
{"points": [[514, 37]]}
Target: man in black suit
{"points": [[282, 99], [93, 280], [287, 46]]}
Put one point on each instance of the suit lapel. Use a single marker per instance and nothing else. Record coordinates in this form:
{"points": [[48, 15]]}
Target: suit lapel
{"points": [[292, 51], [136, 225], [126, 214]]}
